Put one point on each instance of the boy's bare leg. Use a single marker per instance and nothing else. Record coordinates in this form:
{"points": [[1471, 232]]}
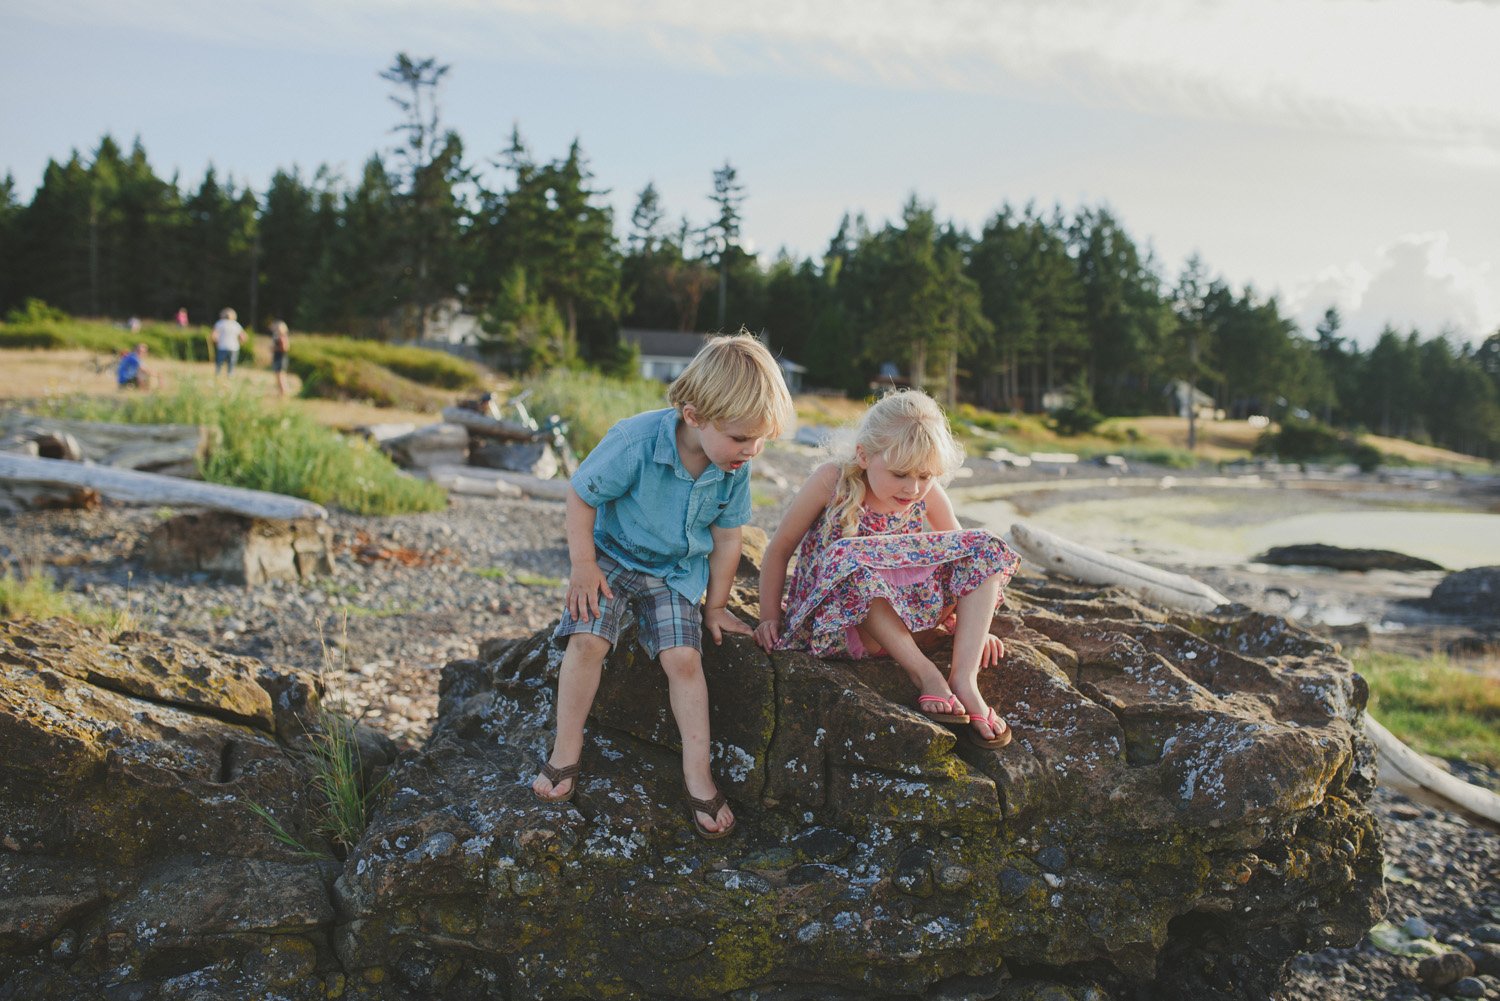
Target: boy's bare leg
{"points": [[689, 695], [891, 633], [577, 682], [975, 611]]}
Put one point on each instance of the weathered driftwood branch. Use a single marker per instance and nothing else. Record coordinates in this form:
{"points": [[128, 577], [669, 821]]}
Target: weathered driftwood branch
{"points": [[531, 486], [488, 427], [152, 488], [178, 449], [433, 444]]}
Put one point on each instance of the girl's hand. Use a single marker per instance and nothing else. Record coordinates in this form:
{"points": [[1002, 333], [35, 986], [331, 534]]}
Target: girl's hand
{"points": [[720, 620], [585, 584], [993, 651], [767, 633]]}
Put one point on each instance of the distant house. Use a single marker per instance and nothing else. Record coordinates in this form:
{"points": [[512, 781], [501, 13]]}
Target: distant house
{"points": [[1178, 393], [665, 353]]}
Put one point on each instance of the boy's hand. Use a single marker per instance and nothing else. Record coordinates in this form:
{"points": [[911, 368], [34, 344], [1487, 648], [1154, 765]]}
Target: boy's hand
{"points": [[767, 633], [585, 583], [720, 620]]}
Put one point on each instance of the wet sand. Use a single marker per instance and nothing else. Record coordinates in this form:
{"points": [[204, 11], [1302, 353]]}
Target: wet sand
{"points": [[1212, 527]]}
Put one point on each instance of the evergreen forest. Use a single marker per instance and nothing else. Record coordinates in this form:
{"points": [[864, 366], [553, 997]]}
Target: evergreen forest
{"points": [[1039, 306]]}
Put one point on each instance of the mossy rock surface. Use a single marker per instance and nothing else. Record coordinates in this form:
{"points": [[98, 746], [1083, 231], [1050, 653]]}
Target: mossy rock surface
{"points": [[1181, 811], [1179, 788]]}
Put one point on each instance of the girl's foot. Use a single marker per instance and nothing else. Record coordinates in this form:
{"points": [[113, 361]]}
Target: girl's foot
{"points": [[988, 731], [942, 708]]}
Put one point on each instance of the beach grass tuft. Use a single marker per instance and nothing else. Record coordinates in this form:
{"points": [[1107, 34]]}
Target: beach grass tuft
{"points": [[272, 447], [1438, 706]]}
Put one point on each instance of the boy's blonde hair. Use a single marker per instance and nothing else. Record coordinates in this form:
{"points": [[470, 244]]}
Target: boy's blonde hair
{"points": [[911, 431], [734, 378], [228, 313]]}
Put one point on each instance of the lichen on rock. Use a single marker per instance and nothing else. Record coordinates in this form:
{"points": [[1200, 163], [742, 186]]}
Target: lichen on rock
{"points": [[1181, 811]]}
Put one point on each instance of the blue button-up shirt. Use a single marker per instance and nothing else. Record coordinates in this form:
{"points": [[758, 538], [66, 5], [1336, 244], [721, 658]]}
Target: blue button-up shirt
{"points": [[653, 516]]}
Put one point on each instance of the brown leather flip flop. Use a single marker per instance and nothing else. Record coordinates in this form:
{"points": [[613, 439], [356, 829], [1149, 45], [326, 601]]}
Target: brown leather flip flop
{"points": [[711, 808], [556, 775]]}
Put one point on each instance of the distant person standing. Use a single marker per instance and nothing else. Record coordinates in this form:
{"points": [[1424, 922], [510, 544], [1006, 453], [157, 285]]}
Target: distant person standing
{"points": [[227, 337], [281, 342], [181, 317]]}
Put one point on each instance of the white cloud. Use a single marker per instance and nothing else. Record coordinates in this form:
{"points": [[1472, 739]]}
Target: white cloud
{"points": [[1415, 282], [1391, 67]]}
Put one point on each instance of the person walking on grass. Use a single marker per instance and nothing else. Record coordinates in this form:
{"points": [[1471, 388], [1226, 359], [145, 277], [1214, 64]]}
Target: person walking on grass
{"points": [[281, 342], [653, 519], [226, 338]]}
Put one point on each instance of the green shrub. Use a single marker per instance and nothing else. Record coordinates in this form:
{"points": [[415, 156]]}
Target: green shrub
{"points": [[420, 365], [273, 448], [36, 311], [1313, 441], [55, 335], [1076, 420], [591, 403], [1172, 458]]}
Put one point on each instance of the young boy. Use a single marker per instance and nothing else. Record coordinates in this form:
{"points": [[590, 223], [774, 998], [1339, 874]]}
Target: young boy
{"points": [[653, 519]]}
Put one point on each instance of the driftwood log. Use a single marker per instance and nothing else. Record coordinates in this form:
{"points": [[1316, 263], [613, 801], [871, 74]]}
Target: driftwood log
{"points": [[151, 488], [172, 449], [481, 426], [531, 486], [239, 549], [431, 445]]}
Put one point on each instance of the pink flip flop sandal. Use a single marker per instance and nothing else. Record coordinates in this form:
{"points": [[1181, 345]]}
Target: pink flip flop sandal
{"points": [[996, 725], [952, 710]]}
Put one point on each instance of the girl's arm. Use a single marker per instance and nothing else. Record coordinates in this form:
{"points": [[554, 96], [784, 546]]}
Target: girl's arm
{"points": [[940, 516], [804, 510]]}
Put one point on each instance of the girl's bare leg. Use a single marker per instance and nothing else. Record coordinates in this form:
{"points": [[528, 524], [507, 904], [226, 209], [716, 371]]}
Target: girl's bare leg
{"points": [[975, 611], [891, 633], [577, 682], [688, 693]]}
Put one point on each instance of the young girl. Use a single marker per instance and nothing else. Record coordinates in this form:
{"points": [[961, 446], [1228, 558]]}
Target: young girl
{"points": [[881, 557]]}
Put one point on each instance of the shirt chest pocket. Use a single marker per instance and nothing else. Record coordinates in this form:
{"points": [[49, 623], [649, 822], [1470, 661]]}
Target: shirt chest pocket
{"points": [[707, 512]]}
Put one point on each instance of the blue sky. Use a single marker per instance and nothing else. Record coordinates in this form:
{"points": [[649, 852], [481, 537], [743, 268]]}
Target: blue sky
{"points": [[1330, 151]]}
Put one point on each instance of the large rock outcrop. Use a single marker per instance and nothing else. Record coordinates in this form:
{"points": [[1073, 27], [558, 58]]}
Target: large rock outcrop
{"points": [[1180, 813]]}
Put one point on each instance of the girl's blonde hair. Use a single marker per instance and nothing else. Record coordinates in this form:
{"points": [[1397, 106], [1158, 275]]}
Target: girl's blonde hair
{"points": [[911, 431]]}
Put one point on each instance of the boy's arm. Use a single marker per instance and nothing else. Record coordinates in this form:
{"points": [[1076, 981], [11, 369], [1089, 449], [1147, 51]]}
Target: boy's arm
{"points": [[721, 566], [586, 580]]}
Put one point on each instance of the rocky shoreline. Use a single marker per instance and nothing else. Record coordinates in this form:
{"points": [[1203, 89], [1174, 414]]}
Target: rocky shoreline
{"points": [[411, 593]]}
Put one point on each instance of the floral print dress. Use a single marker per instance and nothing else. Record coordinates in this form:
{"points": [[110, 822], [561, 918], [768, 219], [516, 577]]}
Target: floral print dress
{"points": [[920, 573]]}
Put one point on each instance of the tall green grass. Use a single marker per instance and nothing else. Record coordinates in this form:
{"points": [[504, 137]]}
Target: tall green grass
{"points": [[1438, 706], [271, 447], [31, 593], [591, 403]]}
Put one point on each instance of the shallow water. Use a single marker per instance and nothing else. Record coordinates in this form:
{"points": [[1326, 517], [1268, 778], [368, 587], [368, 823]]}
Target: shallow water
{"points": [[1228, 526]]}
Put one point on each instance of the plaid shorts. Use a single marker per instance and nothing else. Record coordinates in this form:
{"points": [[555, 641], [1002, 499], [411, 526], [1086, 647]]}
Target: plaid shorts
{"points": [[664, 618]]}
